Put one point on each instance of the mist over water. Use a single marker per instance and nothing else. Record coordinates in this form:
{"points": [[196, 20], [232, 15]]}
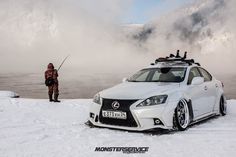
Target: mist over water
{"points": [[34, 33], [102, 51], [205, 28]]}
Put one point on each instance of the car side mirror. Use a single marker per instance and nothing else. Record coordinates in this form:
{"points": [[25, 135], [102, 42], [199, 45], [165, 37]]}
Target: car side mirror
{"points": [[197, 81], [125, 80]]}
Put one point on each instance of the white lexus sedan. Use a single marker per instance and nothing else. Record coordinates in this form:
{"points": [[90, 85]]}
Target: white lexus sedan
{"points": [[170, 94]]}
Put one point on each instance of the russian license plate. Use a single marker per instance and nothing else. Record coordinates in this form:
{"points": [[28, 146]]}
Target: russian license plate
{"points": [[114, 114]]}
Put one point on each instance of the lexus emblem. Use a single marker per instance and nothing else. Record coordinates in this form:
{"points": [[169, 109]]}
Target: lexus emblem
{"points": [[115, 105]]}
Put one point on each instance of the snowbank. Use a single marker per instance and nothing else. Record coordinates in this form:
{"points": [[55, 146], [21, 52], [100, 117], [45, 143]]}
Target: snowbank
{"points": [[9, 94], [38, 128]]}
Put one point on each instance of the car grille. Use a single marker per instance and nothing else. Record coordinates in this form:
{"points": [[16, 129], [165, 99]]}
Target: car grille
{"points": [[124, 107]]}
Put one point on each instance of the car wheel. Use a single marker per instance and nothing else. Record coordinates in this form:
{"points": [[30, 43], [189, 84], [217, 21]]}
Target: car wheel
{"points": [[182, 115], [222, 105]]}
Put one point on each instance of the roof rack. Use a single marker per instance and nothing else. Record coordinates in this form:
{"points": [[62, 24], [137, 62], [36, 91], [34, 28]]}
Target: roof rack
{"points": [[176, 58]]}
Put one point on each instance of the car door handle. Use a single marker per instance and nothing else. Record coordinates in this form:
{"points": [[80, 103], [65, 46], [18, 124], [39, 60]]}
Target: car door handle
{"points": [[216, 85], [205, 88]]}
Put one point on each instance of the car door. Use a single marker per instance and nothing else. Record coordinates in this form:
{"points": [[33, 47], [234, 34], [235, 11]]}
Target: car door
{"points": [[197, 93], [210, 90]]}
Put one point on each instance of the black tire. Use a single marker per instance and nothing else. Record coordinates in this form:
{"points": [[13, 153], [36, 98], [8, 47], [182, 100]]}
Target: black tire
{"points": [[182, 116], [222, 105]]}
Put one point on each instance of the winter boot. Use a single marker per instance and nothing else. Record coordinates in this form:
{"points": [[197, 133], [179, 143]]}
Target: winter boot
{"points": [[50, 98], [56, 98]]}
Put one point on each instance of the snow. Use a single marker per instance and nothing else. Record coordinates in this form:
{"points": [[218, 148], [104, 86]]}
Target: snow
{"points": [[10, 94], [30, 127]]}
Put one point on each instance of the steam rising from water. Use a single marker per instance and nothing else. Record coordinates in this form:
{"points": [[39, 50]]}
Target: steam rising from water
{"points": [[36, 32], [206, 29]]}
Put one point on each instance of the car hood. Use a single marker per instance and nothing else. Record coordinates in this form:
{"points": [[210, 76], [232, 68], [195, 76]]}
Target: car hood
{"points": [[137, 90]]}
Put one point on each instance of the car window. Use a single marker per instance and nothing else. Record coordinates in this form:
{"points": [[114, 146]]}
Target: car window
{"points": [[165, 74], [205, 74], [156, 76], [194, 72], [141, 76]]}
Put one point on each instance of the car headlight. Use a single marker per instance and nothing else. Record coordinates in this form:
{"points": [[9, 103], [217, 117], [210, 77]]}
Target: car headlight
{"points": [[155, 100], [97, 99]]}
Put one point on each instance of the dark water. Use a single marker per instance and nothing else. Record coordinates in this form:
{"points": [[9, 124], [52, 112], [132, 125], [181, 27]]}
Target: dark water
{"points": [[81, 86]]}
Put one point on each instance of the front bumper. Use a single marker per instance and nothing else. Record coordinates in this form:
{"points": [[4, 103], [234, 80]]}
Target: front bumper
{"points": [[143, 116]]}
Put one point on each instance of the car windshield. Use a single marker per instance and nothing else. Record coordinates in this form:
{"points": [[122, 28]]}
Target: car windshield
{"points": [[166, 74]]}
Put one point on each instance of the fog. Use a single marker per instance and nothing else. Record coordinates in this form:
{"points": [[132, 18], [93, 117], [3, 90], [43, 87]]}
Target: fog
{"points": [[102, 48], [34, 33], [204, 28]]}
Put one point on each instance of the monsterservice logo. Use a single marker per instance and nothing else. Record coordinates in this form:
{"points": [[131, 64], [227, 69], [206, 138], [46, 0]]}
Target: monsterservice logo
{"points": [[125, 150]]}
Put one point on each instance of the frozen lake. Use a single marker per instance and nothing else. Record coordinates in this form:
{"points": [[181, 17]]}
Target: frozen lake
{"points": [[80, 86]]}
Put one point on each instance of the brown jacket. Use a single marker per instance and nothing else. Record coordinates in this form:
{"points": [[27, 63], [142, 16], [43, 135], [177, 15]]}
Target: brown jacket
{"points": [[51, 72]]}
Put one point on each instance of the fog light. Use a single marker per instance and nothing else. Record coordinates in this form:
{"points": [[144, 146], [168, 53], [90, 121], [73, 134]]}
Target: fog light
{"points": [[157, 121]]}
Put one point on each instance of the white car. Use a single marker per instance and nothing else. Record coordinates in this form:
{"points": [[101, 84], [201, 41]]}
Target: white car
{"points": [[170, 94]]}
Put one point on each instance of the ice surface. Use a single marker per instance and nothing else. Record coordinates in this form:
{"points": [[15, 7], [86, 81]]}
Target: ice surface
{"points": [[30, 127]]}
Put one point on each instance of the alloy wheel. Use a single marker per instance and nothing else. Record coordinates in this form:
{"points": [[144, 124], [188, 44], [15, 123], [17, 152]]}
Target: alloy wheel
{"points": [[182, 116]]}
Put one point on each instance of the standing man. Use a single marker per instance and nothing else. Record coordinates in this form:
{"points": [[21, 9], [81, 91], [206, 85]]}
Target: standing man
{"points": [[52, 82]]}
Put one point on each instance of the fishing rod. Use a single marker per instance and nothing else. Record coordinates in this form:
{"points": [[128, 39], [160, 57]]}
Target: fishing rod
{"points": [[62, 62]]}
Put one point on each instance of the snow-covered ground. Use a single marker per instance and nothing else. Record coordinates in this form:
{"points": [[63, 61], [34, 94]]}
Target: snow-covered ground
{"points": [[37, 128]]}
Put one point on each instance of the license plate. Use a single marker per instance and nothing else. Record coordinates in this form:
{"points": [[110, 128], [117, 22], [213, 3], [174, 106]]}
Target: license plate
{"points": [[114, 114]]}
